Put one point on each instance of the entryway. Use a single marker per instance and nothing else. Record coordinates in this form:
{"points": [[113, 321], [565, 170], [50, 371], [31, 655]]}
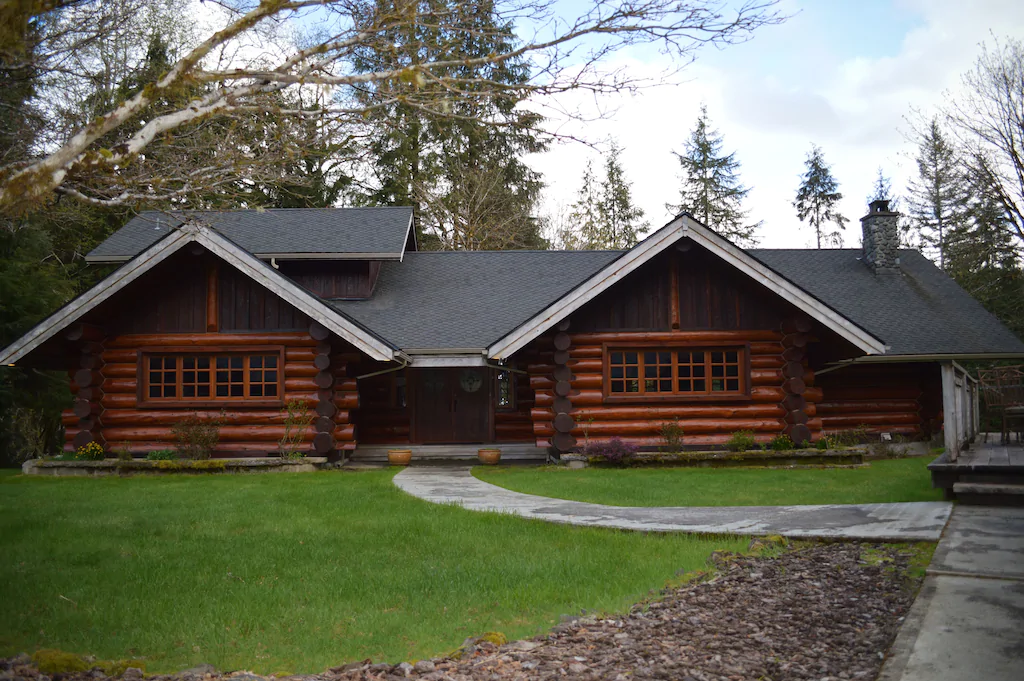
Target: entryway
{"points": [[451, 405]]}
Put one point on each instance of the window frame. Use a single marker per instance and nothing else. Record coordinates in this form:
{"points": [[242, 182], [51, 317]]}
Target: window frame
{"points": [[144, 401], [707, 346]]}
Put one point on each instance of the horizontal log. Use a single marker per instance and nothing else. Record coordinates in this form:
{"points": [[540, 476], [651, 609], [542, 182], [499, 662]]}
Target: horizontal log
{"points": [[112, 386], [589, 398], [867, 406], [293, 338], [326, 409], [228, 433], [579, 339], [689, 411], [168, 417], [852, 421], [344, 433], [322, 362], [888, 392], [301, 384], [300, 370], [120, 356], [120, 370], [84, 437], [68, 418], [299, 355], [653, 427], [346, 400], [324, 379], [652, 442]]}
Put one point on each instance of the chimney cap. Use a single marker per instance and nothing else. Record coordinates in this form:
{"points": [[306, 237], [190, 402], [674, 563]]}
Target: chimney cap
{"points": [[879, 206]]}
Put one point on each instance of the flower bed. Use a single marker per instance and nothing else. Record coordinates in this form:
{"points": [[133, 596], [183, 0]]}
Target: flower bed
{"points": [[270, 464]]}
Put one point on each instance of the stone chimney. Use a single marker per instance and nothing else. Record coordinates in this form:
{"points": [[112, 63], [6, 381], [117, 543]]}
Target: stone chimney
{"points": [[881, 238]]}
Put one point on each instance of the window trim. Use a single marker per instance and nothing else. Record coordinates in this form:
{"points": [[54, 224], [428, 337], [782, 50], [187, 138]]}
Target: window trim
{"points": [[143, 400], [742, 396]]}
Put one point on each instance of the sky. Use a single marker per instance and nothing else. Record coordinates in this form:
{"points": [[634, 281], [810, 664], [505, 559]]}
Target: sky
{"points": [[846, 75]]}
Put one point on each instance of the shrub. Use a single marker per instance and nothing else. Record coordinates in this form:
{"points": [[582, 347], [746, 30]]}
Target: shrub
{"points": [[196, 437], [124, 452], [741, 441], [613, 451], [780, 443], [162, 455], [92, 451], [850, 437], [29, 430], [671, 437], [297, 418]]}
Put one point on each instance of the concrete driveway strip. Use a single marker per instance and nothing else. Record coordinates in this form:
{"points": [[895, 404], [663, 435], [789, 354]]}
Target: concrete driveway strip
{"points": [[968, 620], [889, 522]]}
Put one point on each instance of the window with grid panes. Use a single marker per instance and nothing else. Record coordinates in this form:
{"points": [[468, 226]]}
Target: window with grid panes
{"points": [[212, 377], [676, 371]]}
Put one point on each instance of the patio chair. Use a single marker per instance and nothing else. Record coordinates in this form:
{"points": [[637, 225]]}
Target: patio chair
{"points": [[1003, 391]]}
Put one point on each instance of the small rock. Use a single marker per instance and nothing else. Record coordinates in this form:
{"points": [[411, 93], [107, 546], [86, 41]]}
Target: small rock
{"points": [[577, 668], [132, 674], [404, 668], [424, 666]]}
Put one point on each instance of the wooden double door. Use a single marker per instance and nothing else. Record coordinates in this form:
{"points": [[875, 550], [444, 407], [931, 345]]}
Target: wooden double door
{"points": [[452, 405]]}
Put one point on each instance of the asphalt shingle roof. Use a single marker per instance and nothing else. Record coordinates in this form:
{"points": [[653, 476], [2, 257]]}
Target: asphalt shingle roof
{"points": [[354, 231], [920, 311], [468, 299]]}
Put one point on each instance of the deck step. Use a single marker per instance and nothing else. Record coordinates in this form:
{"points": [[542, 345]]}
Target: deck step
{"points": [[989, 494]]}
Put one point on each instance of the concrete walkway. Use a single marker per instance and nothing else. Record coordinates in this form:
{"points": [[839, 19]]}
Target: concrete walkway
{"points": [[895, 522], [968, 620]]}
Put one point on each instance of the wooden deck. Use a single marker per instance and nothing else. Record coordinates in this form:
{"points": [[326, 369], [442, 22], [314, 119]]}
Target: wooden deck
{"points": [[985, 468]]}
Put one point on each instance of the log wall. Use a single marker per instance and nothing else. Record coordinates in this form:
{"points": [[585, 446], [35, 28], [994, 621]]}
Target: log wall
{"points": [[705, 422], [903, 399], [115, 416]]}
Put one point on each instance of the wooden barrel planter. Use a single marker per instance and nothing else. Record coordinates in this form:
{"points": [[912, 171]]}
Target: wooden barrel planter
{"points": [[489, 456], [399, 457]]}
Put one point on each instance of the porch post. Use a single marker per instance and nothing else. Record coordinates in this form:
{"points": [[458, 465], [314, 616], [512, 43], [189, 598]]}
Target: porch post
{"points": [[950, 413]]}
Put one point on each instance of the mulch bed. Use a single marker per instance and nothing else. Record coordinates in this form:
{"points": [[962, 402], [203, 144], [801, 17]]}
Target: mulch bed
{"points": [[818, 612]]}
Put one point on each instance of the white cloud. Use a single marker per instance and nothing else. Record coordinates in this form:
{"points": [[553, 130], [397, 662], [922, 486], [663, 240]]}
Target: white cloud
{"points": [[773, 97]]}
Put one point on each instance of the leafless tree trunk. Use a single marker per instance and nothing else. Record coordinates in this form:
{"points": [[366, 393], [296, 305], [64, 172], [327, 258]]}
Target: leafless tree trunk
{"points": [[231, 73], [989, 122]]}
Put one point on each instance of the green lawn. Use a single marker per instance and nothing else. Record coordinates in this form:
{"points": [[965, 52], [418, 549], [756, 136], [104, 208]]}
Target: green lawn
{"points": [[882, 481], [295, 572]]}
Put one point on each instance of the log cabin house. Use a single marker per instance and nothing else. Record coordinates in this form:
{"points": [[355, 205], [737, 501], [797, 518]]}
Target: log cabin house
{"points": [[233, 314]]}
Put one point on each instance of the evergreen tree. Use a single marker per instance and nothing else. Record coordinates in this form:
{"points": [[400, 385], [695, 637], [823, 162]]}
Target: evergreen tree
{"points": [[419, 153], [817, 199], [582, 230], [938, 196], [882, 191], [603, 215], [711, 191], [622, 222]]}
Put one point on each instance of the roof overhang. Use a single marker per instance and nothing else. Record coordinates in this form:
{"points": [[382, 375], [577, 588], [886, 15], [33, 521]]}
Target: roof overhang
{"points": [[683, 226], [337, 322]]}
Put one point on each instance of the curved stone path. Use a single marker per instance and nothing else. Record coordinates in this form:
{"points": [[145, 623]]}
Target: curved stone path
{"points": [[914, 521]]}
